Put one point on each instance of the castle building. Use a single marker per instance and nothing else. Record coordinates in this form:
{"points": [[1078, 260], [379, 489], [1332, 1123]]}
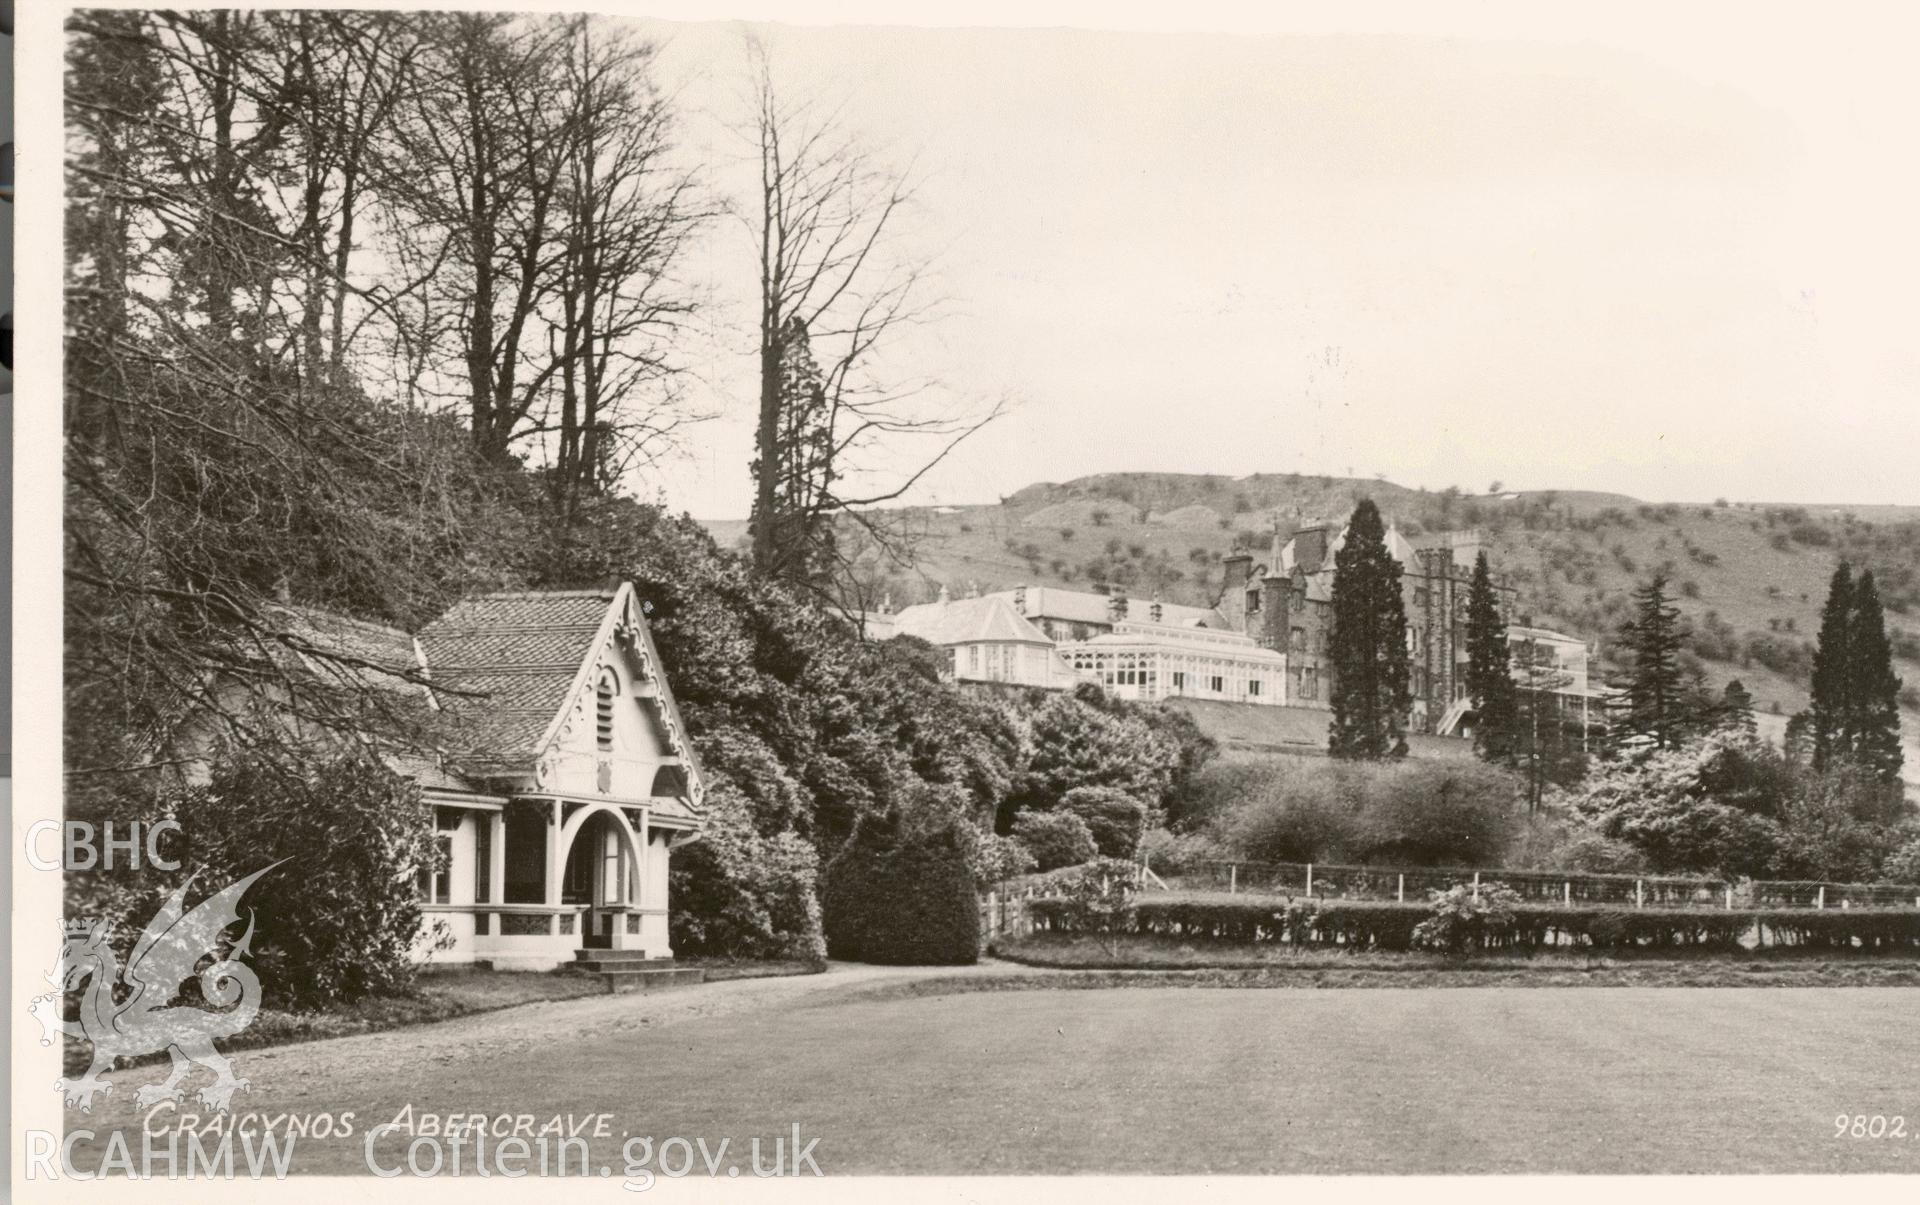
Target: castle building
{"points": [[1264, 644], [1140, 649], [1286, 604]]}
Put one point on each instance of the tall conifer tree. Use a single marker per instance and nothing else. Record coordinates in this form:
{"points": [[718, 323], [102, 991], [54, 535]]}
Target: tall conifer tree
{"points": [[1827, 723], [1657, 708], [1489, 670], [1367, 647], [1873, 718]]}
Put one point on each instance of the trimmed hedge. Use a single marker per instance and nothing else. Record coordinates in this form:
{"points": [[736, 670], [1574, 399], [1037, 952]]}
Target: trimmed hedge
{"points": [[913, 904], [1387, 925]]}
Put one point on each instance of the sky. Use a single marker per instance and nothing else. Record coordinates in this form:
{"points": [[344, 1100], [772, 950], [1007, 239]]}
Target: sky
{"points": [[1672, 257]]}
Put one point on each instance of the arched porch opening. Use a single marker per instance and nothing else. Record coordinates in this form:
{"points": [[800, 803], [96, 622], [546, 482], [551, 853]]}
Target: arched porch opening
{"points": [[600, 873]]}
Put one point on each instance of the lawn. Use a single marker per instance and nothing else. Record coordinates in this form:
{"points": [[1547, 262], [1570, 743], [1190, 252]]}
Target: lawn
{"points": [[1202, 1082]]}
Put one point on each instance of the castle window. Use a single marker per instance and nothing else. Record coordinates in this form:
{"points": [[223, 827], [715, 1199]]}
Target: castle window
{"points": [[604, 692], [1253, 601]]}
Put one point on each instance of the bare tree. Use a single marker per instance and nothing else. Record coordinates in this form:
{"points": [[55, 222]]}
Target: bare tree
{"points": [[538, 202], [628, 214], [834, 292]]}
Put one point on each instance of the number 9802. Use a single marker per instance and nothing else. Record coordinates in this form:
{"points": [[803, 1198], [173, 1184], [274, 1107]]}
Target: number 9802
{"points": [[1863, 1125]]}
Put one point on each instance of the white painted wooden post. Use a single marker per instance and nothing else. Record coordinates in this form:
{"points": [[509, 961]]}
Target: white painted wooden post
{"points": [[1639, 893], [1400, 892], [1233, 877], [497, 858], [1476, 884], [1729, 896], [1821, 900], [1568, 896], [1309, 878]]}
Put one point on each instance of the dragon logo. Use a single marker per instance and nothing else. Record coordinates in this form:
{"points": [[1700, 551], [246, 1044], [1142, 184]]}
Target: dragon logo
{"points": [[140, 1021]]}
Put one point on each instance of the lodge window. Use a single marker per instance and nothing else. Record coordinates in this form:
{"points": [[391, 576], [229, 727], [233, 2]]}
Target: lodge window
{"points": [[433, 878], [1253, 688], [604, 693], [1179, 680], [1219, 685]]}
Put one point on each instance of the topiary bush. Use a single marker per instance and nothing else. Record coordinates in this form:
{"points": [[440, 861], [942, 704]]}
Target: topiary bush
{"points": [[1114, 818], [902, 899], [1055, 839]]}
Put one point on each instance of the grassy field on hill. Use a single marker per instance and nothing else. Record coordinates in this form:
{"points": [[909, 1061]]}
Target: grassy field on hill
{"points": [[1750, 577]]}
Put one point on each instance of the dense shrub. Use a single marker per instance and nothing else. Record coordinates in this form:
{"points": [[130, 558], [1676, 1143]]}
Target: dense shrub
{"points": [[1407, 814], [1386, 925], [996, 858], [1055, 839], [1113, 817], [1903, 865], [339, 920], [1728, 803], [902, 899], [1438, 814], [743, 895], [1170, 853], [1291, 811], [1553, 844], [1464, 918], [1873, 929]]}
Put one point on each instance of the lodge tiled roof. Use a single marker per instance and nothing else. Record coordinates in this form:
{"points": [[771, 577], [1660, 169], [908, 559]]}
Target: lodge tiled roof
{"points": [[503, 664], [489, 679]]}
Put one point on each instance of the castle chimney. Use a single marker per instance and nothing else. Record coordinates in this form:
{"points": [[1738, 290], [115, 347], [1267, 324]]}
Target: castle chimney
{"points": [[1117, 605], [1153, 612], [1233, 589], [1020, 600], [1310, 547], [946, 596]]}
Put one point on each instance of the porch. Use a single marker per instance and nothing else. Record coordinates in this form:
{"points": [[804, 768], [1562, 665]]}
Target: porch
{"points": [[531, 881]]}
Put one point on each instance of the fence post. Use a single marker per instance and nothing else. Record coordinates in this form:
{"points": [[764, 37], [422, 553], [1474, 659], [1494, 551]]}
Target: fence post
{"points": [[1729, 896], [1639, 893], [1569, 892], [1233, 877], [1309, 879], [1400, 892], [1820, 901], [1476, 884]]}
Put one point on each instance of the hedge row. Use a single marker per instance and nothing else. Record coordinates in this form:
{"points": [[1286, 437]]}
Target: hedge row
{"points": [[1386, 925]]}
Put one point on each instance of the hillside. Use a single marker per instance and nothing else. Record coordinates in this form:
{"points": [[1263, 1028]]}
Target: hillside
{"points": [[1750, 577]]}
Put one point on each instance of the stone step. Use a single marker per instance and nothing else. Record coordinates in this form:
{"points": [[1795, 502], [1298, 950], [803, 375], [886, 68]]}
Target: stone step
{"points": [[599, 958], [632, 978]]}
